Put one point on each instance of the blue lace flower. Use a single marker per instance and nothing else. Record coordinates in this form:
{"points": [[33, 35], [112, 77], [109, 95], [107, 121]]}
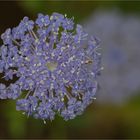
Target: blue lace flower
{"points": [[53, 66]]}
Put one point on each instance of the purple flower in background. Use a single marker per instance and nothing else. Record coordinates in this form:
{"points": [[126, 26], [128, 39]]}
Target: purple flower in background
{"points": [[55, 70], [120, 35]]}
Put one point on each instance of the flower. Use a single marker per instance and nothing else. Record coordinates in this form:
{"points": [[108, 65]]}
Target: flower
{"points": [[120, 35], [56, 73]]}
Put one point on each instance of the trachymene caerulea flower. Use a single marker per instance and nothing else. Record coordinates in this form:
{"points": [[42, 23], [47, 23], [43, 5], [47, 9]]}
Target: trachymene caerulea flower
{"points": [[120, 35], [55, 70]]}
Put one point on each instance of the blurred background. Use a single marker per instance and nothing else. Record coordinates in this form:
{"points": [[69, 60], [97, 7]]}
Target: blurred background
{"points": [[116, 111]]}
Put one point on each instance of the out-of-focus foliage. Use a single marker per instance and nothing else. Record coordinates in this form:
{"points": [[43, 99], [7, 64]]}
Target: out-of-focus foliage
{"points": [[72, 8], [14, 120], [78, 9], [99, 121]]}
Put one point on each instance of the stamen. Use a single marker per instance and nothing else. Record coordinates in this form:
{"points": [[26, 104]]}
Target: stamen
{"points": [[16, 42], [34, 35], [27, 95]]}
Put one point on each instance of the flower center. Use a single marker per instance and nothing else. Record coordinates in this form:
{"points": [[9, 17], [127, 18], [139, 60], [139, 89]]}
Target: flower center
{"points": [[51, 66]]}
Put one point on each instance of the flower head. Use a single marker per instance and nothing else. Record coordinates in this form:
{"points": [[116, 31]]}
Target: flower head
{"points": [[55, 71]]}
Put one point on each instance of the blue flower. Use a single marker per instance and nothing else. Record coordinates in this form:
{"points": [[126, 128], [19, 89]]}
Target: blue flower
{"points": [[6, 37], [56, 72], [3, 91], [42, 20]]}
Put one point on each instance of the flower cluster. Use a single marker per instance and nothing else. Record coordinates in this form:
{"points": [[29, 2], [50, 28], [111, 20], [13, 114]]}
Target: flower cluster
{"points": [[55, 70], [120, 35]]}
